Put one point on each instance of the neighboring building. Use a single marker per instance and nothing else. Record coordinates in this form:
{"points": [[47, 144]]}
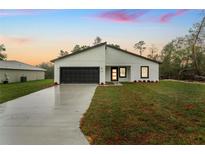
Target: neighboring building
{"points": [[14, 70], [104, 63]]}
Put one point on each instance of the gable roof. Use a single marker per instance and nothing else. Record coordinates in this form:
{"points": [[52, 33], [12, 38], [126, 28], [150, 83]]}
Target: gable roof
{"points": [[16, 65], [79, 51], [105, 43], [134, 54]]}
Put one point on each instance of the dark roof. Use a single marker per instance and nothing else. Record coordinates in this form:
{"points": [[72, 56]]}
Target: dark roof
{"points": [[134, 54], [105, 43], [79, 51]]}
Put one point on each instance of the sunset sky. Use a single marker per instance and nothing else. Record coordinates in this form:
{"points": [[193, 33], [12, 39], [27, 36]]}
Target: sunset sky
{"points": [[35, 36]]}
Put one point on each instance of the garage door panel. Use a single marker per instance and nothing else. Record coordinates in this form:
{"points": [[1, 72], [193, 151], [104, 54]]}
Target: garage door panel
{"points": [[79, 74]]}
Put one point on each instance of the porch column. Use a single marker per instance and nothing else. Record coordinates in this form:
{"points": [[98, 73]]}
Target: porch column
{"points": [[102, 74], [132, 73]]}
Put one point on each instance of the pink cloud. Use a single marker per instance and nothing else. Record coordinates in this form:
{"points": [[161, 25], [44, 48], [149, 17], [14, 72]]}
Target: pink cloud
{"points": [[18, 40], [165, 18], [122, 15]]}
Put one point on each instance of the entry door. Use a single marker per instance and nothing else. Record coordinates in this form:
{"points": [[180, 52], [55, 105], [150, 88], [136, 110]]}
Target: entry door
{"points": [[114, 74]]}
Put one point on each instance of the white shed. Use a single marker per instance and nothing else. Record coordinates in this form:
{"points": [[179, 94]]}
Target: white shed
{"points": [[14, 70]]}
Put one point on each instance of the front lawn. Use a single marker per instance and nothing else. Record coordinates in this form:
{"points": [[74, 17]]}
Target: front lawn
{"points": [[13, 90], [147, 113]]}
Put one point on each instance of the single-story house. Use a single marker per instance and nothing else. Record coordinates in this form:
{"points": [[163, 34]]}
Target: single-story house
{"points": [[14, 70], [104, 63]]}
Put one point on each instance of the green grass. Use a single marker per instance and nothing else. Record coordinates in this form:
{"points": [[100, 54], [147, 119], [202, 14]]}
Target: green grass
{"points": [[14, 90], [147, 113]]}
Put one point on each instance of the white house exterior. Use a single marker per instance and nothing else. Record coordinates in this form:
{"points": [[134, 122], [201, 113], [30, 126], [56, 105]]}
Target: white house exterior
{"points": [[14, 70], [104, 63]]}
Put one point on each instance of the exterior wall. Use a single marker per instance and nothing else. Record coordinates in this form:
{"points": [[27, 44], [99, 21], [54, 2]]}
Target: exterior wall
{"points": [[105, 57], [15, 75], [108, 75], [116, 57], [92, 58]]}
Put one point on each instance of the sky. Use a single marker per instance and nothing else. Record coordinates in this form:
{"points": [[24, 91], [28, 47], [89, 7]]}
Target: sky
{"points": [[36, 36]]}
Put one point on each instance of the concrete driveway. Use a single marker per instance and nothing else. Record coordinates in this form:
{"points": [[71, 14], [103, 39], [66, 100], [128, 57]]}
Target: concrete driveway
{"points": [[49, 116]]}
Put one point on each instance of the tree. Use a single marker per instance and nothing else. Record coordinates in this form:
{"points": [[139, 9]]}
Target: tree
{"points": [[78, 47], [166, 70], [195, 33], [187, 54], [63, 53], [177, 58], [153, 53], [3, 56], [49, 69], [140, 46], [114, 45], [97, 40]]}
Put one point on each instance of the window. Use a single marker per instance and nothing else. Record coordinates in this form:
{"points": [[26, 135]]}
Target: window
{"points": [[144, 71], [122, 72]]}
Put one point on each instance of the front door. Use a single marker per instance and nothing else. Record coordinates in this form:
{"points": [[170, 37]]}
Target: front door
{"points": [[114, 74]]}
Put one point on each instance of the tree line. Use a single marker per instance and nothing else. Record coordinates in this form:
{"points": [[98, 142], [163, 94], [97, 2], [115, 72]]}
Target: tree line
{"points": [[184, 57]]}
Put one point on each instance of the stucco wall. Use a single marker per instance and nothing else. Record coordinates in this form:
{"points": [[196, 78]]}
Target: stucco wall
{"points": [[118, 58], [15, 75], [91, 58]]}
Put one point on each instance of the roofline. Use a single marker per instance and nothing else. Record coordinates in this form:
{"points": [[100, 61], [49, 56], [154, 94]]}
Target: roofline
{"points": [[107, 45], [34, 68], [79, 51], [43, 70], [134, 54]]}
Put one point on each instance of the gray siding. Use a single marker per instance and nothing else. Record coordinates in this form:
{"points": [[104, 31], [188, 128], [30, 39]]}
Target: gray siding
{"points": [[15, 75]]}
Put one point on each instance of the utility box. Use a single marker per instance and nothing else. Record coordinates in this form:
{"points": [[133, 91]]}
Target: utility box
{"points": [[23, 78]]}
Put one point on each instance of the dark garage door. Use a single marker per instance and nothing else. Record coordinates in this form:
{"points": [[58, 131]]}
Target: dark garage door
{"points": [[79, 74]]}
